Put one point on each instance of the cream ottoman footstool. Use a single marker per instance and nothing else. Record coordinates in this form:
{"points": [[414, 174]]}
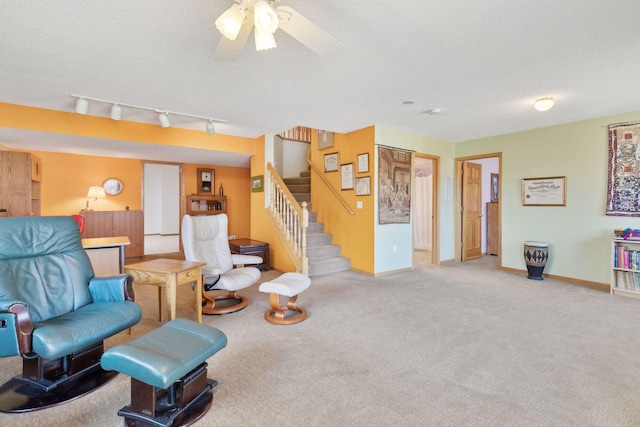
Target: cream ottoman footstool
{"points": [[289, 285]]}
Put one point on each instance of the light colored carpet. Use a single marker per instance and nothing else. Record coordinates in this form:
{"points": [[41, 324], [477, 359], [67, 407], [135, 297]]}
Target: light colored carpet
{"points": [[453, 345]]}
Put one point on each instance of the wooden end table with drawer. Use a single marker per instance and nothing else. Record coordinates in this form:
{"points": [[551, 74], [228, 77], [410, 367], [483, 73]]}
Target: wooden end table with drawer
{"points": [[169, 274], [252, 247]]}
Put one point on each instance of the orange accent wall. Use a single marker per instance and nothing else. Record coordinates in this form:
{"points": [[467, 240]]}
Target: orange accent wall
{"points": [[236, 184], [354, 233]]}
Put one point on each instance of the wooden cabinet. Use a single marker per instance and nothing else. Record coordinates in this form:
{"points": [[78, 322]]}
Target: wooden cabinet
{"points": [[206, 205], [115, 224], [20, 177], [493, 228], [252, 247]]}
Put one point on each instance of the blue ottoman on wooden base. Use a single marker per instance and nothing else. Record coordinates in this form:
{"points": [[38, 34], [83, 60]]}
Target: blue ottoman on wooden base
{"points": [[169, 385]]}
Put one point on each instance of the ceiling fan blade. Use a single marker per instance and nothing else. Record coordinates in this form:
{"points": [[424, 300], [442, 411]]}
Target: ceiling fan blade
{"points": [[309, 34], [230, 50]]}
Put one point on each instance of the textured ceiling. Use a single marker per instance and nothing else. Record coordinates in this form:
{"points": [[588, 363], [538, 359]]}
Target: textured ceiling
{"points": [[482, 62]]}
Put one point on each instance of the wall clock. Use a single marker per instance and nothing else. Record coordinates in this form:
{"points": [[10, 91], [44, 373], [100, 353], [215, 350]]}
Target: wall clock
{"points": [[112, 186]]}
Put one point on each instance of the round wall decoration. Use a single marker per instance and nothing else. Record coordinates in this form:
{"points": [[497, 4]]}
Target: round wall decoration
{"points": [[112, 186]]}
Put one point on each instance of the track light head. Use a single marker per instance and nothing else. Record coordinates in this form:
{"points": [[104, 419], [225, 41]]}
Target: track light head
{"points": [[164, 120], [82, 106], [211, 130], [116, 112]]}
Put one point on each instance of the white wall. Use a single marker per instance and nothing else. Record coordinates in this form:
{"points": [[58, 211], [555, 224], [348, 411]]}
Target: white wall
{"points": [[388, 236], [294, 158]]}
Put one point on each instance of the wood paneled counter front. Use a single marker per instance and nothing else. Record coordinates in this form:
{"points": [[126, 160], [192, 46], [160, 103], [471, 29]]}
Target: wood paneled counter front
{"points": [[117, 223]]}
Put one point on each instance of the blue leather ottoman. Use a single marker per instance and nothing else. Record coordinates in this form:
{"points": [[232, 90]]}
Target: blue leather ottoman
{"points": [[168, 370]]}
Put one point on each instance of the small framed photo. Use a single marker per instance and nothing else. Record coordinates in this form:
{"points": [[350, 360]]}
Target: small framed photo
{"points": [[495, 187], [544, 191], [325, 139], [257, 184], [363, 186], [346, 176], [363, 162], [331, 162]]}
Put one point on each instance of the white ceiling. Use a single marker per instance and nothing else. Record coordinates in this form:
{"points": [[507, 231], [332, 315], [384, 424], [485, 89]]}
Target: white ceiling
{"points": [[483, 62]]}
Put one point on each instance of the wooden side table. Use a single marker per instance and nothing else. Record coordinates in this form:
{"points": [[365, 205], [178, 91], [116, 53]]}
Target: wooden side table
{"points": [[169, 274], [252, 247]]}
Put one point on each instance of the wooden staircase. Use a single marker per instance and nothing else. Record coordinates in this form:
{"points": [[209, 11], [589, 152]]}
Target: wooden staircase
{"points": [[324, 257]]}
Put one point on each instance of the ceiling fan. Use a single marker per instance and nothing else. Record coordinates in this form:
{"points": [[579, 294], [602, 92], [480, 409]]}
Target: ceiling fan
{"points": [[236, 24]]}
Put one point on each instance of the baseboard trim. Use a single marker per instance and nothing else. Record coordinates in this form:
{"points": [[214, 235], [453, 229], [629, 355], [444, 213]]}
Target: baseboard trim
{"points": [[604, 287]]}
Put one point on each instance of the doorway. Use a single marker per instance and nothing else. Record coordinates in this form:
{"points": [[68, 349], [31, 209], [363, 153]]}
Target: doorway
{"points": [[478, 225], [425, 219], [162, 184]]}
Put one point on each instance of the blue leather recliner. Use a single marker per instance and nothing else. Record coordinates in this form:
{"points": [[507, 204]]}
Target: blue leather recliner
{"points": [[55, 313]]}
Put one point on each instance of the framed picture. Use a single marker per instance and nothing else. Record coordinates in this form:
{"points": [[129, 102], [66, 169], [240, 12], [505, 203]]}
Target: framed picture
{"points": [[257, 184], [331, 162], [206, 181], [495, 187], [544, 191], [346, 176], [363, 162], [363, 186], [325, 139]]}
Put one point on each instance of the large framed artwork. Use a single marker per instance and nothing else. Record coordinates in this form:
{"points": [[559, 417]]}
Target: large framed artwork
{"points": [[394, 193], [623, 185]]}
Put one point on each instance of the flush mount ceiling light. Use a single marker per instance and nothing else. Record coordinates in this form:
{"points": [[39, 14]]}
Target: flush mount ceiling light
{"points": [[543, 104], [236, 23], [82, 107]]}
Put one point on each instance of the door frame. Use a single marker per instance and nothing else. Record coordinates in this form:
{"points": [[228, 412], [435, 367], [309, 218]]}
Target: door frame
{"points": [[181, 195], [435, 210], [459, 201]]}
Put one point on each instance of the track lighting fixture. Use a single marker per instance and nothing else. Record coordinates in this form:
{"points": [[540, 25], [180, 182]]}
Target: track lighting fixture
{"points": [[211, 130], [82, 107], [164, 120], [116, 112]]}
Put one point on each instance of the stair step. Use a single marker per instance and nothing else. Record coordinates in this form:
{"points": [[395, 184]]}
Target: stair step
{"points": [[324, 251], [306, 174], [328, 266], [302, 197], [299, 188], [313, 216], [315, 227], [318, 239], [295, 181]]}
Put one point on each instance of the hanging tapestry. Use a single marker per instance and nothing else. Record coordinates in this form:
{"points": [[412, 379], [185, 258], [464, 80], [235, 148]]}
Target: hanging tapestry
{"points": [[623, 187], [394, 194]]}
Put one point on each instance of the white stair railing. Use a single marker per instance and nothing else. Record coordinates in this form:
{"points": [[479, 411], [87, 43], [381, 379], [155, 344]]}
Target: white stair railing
{"points": [[290, 219]]}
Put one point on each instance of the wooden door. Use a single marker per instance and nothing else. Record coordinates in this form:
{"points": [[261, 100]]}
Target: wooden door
{"points": [[471, 210]]}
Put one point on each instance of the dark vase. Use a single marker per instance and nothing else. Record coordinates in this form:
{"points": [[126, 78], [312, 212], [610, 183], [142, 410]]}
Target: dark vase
{"points": [[535, 256]]}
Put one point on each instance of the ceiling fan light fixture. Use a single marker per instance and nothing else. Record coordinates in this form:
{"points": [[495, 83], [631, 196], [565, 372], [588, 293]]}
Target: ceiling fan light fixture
{"points": [[211, 130], [230, 22], [265, 18], [543, 104], [264, 40]]}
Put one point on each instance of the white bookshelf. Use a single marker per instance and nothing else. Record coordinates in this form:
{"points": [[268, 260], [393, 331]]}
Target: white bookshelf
{"points": [[625, 267]]}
